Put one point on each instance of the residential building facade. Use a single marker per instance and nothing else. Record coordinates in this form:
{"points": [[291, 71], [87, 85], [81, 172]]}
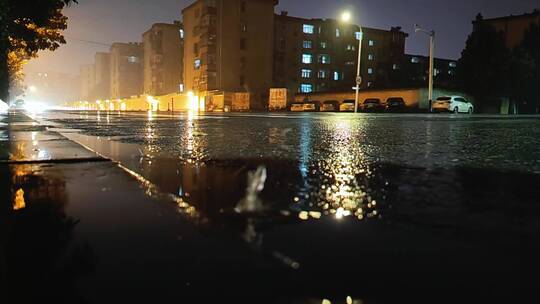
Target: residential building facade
{"points": [[414, 72], [228, 47], [88, 81], [126, 69], [318, 55], [102, 89], [163, 59]]}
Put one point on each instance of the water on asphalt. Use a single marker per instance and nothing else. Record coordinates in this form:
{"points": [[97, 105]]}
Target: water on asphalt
{"points": [[352, 205]]}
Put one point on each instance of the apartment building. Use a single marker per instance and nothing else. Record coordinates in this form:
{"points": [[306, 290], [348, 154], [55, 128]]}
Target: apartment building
{"points": [[126, 69], [102, 64], [414, 71], [88, 81], [228, 47], [318, 55], [163, 62]]}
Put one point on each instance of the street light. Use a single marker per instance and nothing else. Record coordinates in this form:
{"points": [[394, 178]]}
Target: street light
{"points": [[431, 34], [32, 89], [346, 17]]}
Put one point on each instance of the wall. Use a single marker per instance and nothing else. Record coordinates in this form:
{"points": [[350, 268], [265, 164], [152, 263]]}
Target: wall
{"points": [[174, 102], [414, 98]]}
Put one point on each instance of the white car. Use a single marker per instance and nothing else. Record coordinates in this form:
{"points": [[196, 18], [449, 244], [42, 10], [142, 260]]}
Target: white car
{"points": [[455, 104]]}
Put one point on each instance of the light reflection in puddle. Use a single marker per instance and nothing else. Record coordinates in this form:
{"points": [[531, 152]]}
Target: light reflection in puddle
{"points": [[336, 189], [334, 183]]}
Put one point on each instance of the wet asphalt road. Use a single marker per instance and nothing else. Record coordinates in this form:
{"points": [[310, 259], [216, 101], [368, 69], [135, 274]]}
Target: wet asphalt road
{"points": [[378, 207]]}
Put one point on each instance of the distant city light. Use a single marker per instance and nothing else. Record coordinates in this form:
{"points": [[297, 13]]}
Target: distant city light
{"points": [[35, 107]]}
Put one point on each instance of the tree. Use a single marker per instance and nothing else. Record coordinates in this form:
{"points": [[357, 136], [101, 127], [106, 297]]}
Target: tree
{"points": [[526, 58], [484, 65], [26, 27]]}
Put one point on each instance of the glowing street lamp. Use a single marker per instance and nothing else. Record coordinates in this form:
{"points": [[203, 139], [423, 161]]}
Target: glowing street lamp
{"points": [[346, 17], [32, 89]]}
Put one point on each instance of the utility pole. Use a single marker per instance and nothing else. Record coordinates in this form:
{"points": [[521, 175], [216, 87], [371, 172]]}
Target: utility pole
{"points": [[358, 70], [346, 18], [431, 34], [431, 68]]}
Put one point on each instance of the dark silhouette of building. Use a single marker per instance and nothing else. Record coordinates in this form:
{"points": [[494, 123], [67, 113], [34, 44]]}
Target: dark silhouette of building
{"points": [[512, 27], [414, 72]]}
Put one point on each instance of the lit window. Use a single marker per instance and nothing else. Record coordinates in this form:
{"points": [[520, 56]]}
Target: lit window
{"points": [[306, 88], [350, 47], [306, 73], [370, 57], [349, 63], [358, 35], [452, 64], [324, 45], [395, 66], [324, 59], [415, 60], [133, 59], [336, 76], [197, 64], [337, 33], [370, 71], [308, 28], [322, 74], [307, 58], [371, 43], [369, 84], [182, 34], [308, 44], [436, 72]]}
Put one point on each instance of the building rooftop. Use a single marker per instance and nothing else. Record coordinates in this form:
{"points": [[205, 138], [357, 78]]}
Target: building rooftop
{"points": [[285, 15], [535, 13]]}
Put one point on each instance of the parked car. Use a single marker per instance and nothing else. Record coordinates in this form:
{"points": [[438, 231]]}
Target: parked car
{"points": [[297, 107], [395, 104], [373, 105], [455, 104], [330, 106], [310, 106], [347, 106]]}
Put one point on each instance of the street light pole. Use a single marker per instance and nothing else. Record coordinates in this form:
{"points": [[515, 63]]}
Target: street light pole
{"points": [[431, 62], [358, 70], [346, 17]]}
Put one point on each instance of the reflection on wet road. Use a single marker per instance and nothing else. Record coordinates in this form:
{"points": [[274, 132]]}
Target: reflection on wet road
{"points": [[410, 203], [318, 166]]}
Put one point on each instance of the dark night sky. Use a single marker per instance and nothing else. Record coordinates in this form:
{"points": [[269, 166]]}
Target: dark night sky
{"points": [[125, 20]]}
